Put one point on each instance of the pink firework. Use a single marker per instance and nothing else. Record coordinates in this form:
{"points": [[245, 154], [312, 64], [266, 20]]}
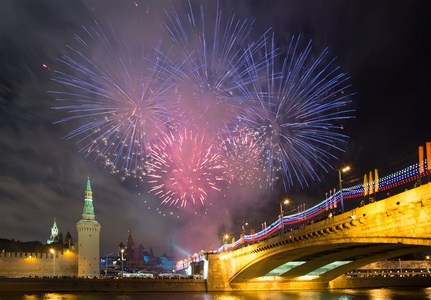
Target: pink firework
{"points": [[185, 169]]}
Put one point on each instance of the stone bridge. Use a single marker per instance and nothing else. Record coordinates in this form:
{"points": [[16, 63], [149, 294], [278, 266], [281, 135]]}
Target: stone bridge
{"points": [[313, 256]]}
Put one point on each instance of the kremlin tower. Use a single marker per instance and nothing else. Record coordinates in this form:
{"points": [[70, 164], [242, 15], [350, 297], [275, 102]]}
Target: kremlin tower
{"points": [[88, 239], [54, 233]]}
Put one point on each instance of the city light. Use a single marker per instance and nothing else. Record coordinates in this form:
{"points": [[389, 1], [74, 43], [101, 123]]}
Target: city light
{"points": [[281, 214], [53, 253], [122, 262], [341, 186]]}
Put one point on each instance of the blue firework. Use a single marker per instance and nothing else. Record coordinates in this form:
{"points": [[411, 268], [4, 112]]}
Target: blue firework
{"points": [[118, 97], [296, 112], [280, 118], [209, 67]]}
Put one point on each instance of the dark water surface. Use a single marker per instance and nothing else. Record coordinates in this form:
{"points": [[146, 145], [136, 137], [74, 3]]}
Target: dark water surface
{"points": [[371, 294]]}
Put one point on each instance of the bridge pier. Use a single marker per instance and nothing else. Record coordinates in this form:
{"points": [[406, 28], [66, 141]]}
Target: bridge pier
{"points": [[217, 273]]}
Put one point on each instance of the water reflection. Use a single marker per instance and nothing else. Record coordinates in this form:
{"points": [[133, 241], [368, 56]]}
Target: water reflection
{"points": [[381, 294], [359, 294], [50, 296], [389, 293]]}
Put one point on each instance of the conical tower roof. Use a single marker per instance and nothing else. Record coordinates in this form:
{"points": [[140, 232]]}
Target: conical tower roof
{"points": [[54, 233], [88, 211], [54, 226], [88, 184]]}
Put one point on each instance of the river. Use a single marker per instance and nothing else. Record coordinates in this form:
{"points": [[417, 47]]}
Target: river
{"points": [[356, 294]]}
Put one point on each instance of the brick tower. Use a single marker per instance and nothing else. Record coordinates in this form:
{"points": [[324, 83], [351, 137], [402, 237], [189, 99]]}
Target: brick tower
{"points": [[88, 239]]}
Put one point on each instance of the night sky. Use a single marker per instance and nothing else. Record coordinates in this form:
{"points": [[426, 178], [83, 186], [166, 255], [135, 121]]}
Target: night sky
{"points": [[385, 47]]}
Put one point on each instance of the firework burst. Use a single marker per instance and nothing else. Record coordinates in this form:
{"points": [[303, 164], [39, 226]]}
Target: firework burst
{"points": [[211, 68], [242, 155], [185, 169], [120, 97], [209, 110], [296, 113]]}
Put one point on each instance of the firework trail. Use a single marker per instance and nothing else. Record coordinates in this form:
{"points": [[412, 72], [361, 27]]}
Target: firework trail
{"points": [[120, 97], [185, 169], [210, 66], [296, 113]]}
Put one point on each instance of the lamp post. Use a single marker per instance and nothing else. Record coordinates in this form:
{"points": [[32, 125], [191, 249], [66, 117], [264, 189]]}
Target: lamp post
{"points": [[243, 228], [401, 268], [243, 232], [427, 259], [225, 241], [122, 263], [106, 263], [53, 253], [281, 213], [341, 186]]}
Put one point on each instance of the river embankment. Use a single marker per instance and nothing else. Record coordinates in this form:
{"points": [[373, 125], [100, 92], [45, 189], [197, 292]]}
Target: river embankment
{"points": [[344, 282], [101, 285]]}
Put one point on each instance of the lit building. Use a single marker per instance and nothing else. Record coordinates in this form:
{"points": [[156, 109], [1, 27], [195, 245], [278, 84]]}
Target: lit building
{"points": [[167, 263], [54, 238]]}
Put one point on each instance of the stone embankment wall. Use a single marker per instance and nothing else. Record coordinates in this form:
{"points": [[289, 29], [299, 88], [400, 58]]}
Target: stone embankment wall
{"points": [[344, 282], [100, 285], [20, 264]]}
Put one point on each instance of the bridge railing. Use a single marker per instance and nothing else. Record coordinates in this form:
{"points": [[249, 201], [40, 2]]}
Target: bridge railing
{"points": [[329, 205]]}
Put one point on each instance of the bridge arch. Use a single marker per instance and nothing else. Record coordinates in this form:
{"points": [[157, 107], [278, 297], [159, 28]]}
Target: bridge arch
{"points": [[315, 255], [388, 228]]}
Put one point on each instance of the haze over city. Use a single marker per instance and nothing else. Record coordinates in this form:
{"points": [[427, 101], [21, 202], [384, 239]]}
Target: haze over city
{"points": [[383, 47]]}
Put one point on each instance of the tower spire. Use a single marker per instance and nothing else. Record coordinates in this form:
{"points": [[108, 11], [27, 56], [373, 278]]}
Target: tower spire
{"points": [[54, 233], [88, 184], [88, 211]]}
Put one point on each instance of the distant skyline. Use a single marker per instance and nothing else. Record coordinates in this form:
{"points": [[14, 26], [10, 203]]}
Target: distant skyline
{"points": [[384, 46]]}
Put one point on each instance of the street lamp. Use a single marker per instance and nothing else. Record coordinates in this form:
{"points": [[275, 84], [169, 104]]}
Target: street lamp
{"points": [[401, 268], [427, 258], [341, 186], [243, 232], [122, 263], [106, 263], [53, 253], [281, 213], [225, 238], [243, 228]]}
